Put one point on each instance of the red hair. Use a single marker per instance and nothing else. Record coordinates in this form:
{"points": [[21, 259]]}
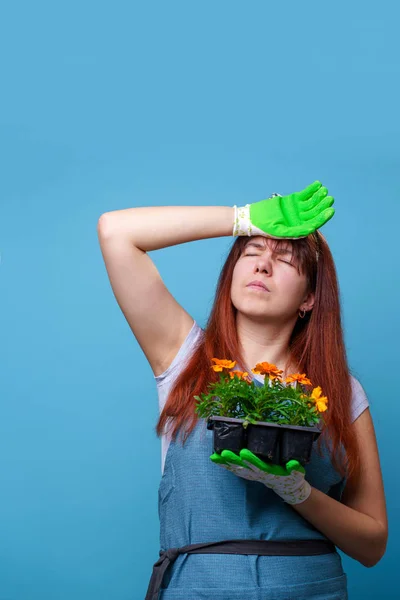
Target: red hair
{"points": [[316, 346]]}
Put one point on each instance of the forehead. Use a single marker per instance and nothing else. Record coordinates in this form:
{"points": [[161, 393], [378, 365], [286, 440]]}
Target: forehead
{"points": [[281, 246]]}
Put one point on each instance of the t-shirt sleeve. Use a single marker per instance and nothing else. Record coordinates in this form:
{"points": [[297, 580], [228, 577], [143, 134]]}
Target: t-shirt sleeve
{"points": [[166, 379], [359, 400]]}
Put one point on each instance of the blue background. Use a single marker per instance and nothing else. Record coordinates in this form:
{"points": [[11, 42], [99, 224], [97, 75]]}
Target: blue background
{"points": [[110, 105]]}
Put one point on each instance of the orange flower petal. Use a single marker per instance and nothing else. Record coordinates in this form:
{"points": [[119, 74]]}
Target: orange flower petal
{"points": [[273, 377], [299, 377], [266, 368], [316, 393], [224, 363], [241, 374]]}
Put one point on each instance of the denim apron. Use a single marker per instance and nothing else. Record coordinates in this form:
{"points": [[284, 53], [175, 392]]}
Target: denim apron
{"points": [[200, 502]]}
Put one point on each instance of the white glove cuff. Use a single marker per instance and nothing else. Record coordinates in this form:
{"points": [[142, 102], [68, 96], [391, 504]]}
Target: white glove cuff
{"points": [[242, 224], [299, 495]]}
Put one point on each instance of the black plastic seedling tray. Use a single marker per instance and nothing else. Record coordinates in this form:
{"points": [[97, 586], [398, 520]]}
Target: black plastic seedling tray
{"points": [[269, 441]]}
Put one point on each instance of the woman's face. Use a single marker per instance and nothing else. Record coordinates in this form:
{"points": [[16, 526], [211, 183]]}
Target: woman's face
{"points": [[287, 287]]}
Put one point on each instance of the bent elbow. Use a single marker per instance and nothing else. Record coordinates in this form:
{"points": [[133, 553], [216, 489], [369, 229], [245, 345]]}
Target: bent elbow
{"points": [[379, 550]]}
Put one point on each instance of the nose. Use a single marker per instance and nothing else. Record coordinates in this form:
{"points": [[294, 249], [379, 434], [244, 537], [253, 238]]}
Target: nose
{"points": [[263, 263]]}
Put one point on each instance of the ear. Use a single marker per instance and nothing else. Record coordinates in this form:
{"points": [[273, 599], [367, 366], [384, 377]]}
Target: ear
{"points": [[308, 302]]}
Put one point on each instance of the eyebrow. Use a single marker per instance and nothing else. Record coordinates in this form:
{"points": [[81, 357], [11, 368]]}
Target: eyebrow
{"points": [[262, 247]]}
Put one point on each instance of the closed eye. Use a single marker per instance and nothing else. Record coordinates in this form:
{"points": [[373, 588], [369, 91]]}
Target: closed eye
{"points": [[281, 260]]}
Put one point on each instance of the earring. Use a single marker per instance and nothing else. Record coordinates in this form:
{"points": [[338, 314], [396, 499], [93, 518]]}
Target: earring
{"points": [[302, 315]]}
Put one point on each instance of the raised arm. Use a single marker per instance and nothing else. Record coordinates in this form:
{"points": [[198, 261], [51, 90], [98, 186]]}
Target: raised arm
{"points": [[159, 323]]}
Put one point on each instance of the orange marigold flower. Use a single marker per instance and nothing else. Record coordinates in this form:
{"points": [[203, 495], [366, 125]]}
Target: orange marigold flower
{"points": [[266, 368], [223, 364], [241, 374], [320, 400], [299, 377], [272, 377]]}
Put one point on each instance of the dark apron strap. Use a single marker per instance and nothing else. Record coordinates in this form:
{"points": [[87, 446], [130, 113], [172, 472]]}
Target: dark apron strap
{"points": [[260, 547]]}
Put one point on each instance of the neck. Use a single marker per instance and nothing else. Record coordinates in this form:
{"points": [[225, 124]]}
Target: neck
{"points": [[266, 342]]}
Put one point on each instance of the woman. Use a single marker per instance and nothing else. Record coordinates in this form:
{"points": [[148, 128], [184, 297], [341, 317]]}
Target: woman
{"points": [[226, 531]]}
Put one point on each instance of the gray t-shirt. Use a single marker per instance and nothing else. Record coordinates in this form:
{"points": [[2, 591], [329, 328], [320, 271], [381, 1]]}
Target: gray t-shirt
{"points": [[166, 379]]}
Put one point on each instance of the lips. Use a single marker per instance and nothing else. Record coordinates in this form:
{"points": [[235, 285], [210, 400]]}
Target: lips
{"points": [[258, 283]]}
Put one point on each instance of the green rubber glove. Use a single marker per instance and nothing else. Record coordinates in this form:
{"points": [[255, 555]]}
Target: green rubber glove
{"points": [[293, 216], [289, 483]]}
